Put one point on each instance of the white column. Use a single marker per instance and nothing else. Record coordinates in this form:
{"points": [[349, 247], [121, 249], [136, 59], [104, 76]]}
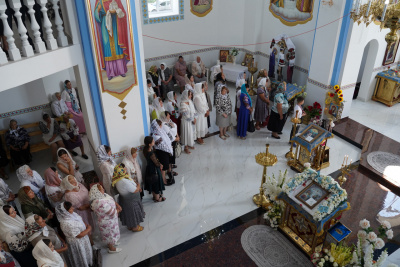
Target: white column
{"points": [[61, 38], [27, 50], [13, 51], [50, 41], [38, 42]]}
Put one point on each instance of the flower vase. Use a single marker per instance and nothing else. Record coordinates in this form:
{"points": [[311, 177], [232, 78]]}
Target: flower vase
{"points": [[234, 60]]}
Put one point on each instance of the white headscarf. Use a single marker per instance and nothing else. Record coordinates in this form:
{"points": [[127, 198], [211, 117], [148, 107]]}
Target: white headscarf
{"points": [[198, 65], [157, 106], [66, 185], [240, 80], [162, 141], [10, 225], [33, 229], [263, 82], [62, 162], [44, 256], [162, 70], [170, 96], [199, 94], [95, 194], [102, 156], [23, 175], [64, 215]]}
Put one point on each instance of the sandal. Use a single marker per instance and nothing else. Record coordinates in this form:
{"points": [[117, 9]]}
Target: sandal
{"points": [[222, 137], [160, 199], [138, 229], [258, 128], [187, 151], [227, 135], [174, 166], [191, 147], [174, 173]]}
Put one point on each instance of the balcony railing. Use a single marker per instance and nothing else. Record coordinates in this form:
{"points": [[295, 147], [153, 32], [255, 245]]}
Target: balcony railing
{"points": [[30, 27]]}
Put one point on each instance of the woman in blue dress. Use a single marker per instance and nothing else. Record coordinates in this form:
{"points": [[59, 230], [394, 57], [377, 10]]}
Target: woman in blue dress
{"points": [[244, 112]]}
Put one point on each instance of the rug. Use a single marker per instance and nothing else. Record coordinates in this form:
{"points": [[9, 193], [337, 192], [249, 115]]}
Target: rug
{"points": [[379, 160], [269, 248]]}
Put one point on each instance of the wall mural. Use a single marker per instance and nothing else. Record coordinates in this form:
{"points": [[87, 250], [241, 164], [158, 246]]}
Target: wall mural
{"points": [[110, 23], [292, 12], [201, 8]]}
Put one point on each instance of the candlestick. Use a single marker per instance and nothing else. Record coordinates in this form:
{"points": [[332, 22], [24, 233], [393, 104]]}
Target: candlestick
{"points": [[358, 7], [368, 8], [384, 10], [344, 159]]}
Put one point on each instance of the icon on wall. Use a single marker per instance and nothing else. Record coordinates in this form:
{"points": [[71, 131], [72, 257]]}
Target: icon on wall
{"points": [[292, 12], [201, 8]]}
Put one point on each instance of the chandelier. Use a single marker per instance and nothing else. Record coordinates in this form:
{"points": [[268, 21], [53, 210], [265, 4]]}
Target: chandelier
{"points": [[385, 11]]}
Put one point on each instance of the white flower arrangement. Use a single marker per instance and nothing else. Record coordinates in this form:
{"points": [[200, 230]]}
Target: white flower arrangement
{"points": [[273, 186], [234, 52], [337, 194], [274, 215]]}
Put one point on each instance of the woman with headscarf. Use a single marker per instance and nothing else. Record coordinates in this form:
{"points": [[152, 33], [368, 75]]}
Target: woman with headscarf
{"points": [[217, 70], [224, 110], [46, 255], [244, 112], [58, 106], [173, 108], [188, 121], [17, 139], [6, 195], [189, 82], [106, 165], [180, 72], [151, 95], [155, 80], [70, 134], [52, 185], [241, 78], [163, 148], [77, 233], [51, 134], [157, 109], [262, 104], [107, 210], [71, 99], [12, 231], [31, 204], [78, 195], [171, 129], [220, 81], [6, 259], [133, 167], [278, 111], [167, 85], [238, 94], [153, 177], [67, 165], [201, 106], [31, 178]]}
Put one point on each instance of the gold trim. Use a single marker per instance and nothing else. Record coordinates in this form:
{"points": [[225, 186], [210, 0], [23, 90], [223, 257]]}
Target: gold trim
{"points": [[287, 23], [200, 14]]}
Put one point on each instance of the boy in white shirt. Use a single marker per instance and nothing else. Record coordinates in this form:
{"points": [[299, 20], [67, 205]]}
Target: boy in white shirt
{"points": [[300, 113]]}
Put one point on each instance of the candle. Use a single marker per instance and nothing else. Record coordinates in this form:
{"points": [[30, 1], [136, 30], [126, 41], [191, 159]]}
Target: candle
{"points": [[358, 7], [384, 10], [368, 8], [218, 62], [354, 5], [347, 157], [344, 160]]}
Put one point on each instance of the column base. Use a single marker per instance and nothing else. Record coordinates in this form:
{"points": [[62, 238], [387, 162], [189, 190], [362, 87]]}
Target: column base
{"points": [[62, 41], [51, 44], [27, 51], [40, 47], [14, 54]]}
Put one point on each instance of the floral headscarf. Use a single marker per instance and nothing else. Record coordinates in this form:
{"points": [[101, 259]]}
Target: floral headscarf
{"points": [[281, 88], [95, 196], [51, 177], [161, 139], [33, 229], [119, 174], [153, 70], [102, 155], [244, 91], [64, 215], [73, 99]]}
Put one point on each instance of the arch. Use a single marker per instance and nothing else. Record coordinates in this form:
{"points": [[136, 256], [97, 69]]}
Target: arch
{"points": [[365, 75]]}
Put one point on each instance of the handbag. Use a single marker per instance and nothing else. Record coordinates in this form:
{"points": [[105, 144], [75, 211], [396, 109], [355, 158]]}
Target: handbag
{"points": [[97, 258], [251, 127], [178, 149]]}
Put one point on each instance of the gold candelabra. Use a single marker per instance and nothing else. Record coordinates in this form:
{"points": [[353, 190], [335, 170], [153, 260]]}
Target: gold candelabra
{"points": [[345, 169], [290, 155], [385, 11], [265, 159], [252, 70]]}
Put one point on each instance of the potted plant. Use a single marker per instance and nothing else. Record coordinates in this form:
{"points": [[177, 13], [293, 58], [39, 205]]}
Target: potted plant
{"points": [[312, 112]]}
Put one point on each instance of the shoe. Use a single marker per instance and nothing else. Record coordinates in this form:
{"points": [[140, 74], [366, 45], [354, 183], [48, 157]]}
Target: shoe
{"points": [[74, 153], [222, 137], [85, 156], [276, 137], [280, 133], [174, 166], [117, 250], [227, 135], [174, 173]]}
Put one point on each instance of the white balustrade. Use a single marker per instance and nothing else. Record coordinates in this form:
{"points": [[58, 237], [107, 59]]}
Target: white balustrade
{"points": [[13, 51], [37, 42], [61, 38], [27, 50], [50, 41]]}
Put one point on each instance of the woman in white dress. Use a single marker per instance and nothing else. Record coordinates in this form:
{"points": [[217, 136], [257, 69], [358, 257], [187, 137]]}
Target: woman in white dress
{"points": [[52, 185], [51, 134], [133, 167], [107, 165], [200, 103], [188, 121], [77, 233], [67, 165], [46, 256], [189, 80], [58, 105], [31, 178]]}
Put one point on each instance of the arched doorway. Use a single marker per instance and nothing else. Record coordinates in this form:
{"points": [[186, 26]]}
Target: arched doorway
{"points": [[365, 85]]}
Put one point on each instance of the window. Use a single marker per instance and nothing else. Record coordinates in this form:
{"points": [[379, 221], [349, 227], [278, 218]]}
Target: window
{"points": [[162, 11]]}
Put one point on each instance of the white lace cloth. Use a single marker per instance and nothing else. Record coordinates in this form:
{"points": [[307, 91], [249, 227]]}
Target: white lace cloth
{"points": [[386, 163]]}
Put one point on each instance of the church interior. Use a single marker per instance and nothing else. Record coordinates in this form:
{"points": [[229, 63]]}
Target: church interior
{"points": [[325, 191]]}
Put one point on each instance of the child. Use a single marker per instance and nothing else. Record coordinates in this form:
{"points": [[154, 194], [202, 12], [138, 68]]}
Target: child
{"points": [[300, 113]]}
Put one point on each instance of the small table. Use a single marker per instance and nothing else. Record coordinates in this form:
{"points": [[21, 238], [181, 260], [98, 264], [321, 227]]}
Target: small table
{"points": [[232, 71], [387, 89]]}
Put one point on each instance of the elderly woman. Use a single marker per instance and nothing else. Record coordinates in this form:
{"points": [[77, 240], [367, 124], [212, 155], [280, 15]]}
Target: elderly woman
{"points": [[67, 165], [155, 80], [17, 139], [132, 213], [223, 105], [12, 230], [151, 95], [77, 233], [31, 178], [78, 195], [71, 100], [244, 112], [167, 85], [133, 167], [262, 104], [31, 204], [153, 177], [278, 111], [188, 121], [6, 195], [157, 109], [163, 146], [199, 70], [46, 255], [201, 106], [51, 134], [180, 72], [58, 106], [70, 135], [107, 211], [106, 165], [189, 80], [6, 259], [52, 186], [220, 81]]}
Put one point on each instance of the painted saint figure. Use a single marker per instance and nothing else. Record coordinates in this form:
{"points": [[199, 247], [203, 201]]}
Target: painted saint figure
{"points": [[112, 33]]}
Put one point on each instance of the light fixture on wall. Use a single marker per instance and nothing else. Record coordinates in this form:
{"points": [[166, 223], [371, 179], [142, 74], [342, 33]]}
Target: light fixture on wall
{"points": [[385, 11]]}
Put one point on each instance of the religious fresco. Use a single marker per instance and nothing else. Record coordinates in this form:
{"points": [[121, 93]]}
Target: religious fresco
{"points": [[292, 12], [110, 23], [201, 8]]}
